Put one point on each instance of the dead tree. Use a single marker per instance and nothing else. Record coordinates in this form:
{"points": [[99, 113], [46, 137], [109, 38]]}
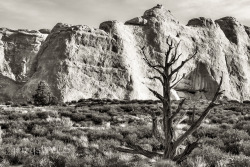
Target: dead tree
{"points": [[168, 78]]}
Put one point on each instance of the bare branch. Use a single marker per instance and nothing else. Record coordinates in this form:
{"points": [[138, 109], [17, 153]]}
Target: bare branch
{"points": [[178, 109], [172, 62], [135, 149], [176, 75], [202, 117], [160, 97], [173, 58], [190, 147], [155, 67], [177, 82], [183, 63], [171, 46], [158, 78], [170, 43]]}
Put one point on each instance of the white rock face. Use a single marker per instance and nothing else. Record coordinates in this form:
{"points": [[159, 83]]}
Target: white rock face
{"points": [[18, 59], [82, 62]]}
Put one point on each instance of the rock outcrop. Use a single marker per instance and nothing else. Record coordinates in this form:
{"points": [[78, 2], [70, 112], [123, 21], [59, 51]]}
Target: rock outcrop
{"points": [[18, 58], [83, 62]]}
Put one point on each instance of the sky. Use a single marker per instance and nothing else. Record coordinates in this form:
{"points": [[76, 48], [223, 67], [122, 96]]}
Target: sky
{"points": [[37, 14]]}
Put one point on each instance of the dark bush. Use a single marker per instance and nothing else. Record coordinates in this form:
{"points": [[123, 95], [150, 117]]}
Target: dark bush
{"points": [[127, 108], [15, 105], [42, 115], [9, 103], [44, 95], [77, 117]]}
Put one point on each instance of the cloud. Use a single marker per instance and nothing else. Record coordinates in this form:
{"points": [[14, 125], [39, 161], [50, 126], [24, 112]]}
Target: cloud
{"points": [[36, 14]]}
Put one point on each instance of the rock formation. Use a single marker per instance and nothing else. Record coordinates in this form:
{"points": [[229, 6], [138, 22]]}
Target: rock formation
{"points": [[18, 59], [82, 62]]}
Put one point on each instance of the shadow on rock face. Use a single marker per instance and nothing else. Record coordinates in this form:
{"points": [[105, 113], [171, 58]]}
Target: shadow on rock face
{"points": [[199, 84]]}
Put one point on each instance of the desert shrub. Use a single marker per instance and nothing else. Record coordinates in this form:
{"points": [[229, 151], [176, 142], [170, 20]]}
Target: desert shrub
{"points": [[154, 143], [77, 117], [57, 160], [73, 102], [36, 161], [131, 138], [101, 109], [212, 132], [4, 163], [231, 139], [165, 163], [239, 161], [239, 125], [127, 108], [66, 122], [225, 126], [216, 119], [144, 132], [113, 112], [12, 154], [194, 162], [66, 113], [59, 135], [215, 142], [247, 128], [15, 105], [233, 135], [104, 134], [98, 119], [244, 147], [75, 162], [24, 104], [64, 104], [30, 116], [38, 130], [42, 115], [14, 116], [212, 156], [9, 103], [243, 125], [52, 160], [105, 145]]}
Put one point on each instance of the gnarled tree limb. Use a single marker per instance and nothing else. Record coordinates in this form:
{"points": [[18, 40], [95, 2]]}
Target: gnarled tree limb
{"points": [[158, 78], [157, 67], [189, 148], [156, 94], [173, 58], [183, 63], [178, 109], [135, 149], [171, 87], [197, 123]]}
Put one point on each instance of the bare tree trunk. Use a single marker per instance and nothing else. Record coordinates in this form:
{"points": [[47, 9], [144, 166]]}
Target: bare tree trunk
{"points": [[170, 142]]}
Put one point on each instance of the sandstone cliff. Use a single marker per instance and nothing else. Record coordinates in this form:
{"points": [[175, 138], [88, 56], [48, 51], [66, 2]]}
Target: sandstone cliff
{"points": [[83, 62], [18, 59]]}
